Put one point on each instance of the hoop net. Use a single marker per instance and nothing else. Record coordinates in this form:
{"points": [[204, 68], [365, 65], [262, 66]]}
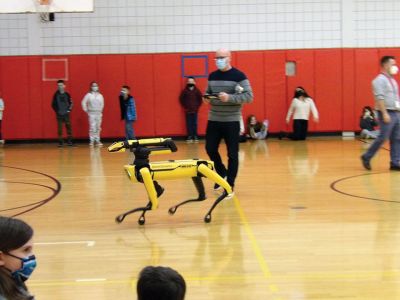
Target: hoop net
{"points": [[43, 9]]}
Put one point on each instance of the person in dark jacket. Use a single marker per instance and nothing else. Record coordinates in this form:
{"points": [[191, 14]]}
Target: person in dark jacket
{"points": [[368, 123], [128, 111], [191, 99], [62, 106], [17, 261]]}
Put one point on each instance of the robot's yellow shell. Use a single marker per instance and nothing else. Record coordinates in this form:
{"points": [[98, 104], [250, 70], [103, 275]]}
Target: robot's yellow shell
{"points": [[174, 169], [155, 145]]}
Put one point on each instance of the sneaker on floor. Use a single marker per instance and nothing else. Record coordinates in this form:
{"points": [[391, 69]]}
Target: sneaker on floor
{"points": [[231, 195], [91, 144], [365, 162], [196, 139], [100, 144], [189, 139], [2, 142], [217, 187], [60, 144]]}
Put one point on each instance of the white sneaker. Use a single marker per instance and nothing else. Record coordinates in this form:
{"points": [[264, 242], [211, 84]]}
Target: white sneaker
{"points": [[91, 144], [100, 144], [2, 142], [230, 196]]}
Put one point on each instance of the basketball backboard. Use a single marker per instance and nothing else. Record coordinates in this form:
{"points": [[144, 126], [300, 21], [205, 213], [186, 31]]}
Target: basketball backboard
{"points": [[36, 6]]}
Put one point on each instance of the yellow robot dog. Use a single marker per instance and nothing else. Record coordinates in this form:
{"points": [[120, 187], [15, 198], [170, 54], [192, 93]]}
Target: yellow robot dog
{"points": [[142, 170]]}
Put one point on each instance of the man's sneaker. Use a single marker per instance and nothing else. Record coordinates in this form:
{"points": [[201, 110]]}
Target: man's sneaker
{"points": [[60, 144], [189, 139], [365, 162], [100, 144], [196, 139], [71, 144], [217, 187], [91, 143], [231, 195]]}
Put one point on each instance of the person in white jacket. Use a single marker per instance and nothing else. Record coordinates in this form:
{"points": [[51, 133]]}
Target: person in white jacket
{"points": [[301, 106], [93, 105]]}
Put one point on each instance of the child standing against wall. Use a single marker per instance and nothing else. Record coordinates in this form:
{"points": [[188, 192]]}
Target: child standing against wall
{"points": [[1, 118], [93, 105], [128, 111]]}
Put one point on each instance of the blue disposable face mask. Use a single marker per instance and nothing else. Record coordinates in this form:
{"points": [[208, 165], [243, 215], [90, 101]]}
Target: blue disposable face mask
{"points": [[221, 63], [28, 266]]}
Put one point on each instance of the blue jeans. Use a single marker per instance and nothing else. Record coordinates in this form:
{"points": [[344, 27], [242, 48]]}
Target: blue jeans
{"points": [[389, 131], [129, 132], [191, 124]]}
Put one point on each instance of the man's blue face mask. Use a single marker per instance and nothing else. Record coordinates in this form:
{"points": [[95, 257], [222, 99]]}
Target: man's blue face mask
{"points": [[221, 63]]}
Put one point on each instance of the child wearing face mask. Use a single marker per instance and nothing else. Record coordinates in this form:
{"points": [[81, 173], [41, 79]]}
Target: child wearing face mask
{"points": [[300, 108], [17, 261], [128, 111], [368, 123], [93, 105], [1, 118], [191, 100]]}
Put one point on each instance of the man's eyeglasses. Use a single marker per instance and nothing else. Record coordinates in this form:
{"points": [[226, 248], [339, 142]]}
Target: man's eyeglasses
{"points": [[220, 57]]}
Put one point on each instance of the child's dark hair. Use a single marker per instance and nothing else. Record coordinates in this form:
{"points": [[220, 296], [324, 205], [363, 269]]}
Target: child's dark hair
{"points": [[60, 81], [385, 59], [126, 87], [300, 91], [160, 283], [14, 233], [249, 120], [369, 109], [90, 85]]}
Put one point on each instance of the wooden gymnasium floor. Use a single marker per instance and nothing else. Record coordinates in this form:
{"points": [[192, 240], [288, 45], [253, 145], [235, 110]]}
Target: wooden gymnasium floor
{"points": [[287, 235]]}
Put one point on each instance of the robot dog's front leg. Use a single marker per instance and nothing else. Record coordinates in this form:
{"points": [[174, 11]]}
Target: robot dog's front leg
{"points": [[153, 189], [198, 183]]}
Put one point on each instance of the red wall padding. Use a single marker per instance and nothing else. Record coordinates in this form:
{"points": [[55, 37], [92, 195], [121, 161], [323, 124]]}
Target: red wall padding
{"points": [[338, 79]]}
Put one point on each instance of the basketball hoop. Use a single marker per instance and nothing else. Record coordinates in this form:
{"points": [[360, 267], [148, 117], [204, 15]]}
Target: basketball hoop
{"points": [[43, 9]]}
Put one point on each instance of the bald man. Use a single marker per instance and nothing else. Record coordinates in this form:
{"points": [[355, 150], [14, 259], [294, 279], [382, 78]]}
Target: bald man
{"points": [[232, 90]]}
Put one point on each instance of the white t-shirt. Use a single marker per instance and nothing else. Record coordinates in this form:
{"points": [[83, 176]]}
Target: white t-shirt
{"points": [[1, 108], [301, 109]]}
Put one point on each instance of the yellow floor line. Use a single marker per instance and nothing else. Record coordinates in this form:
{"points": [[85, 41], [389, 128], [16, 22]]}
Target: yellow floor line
{"points": [[294, 277], [254, 244]]}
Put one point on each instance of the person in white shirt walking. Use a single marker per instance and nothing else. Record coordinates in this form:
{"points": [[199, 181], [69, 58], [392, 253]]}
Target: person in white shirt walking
{"points": [[93, 105], [300, 108], [1, 118]]}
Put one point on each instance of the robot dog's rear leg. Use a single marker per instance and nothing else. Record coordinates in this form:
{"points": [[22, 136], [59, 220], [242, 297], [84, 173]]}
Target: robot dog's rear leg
{"points": [[141, 219], [198, 183]]}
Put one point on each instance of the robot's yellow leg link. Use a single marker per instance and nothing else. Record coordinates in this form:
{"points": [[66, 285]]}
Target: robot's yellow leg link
{"points": [[207, 172], [149, 185]]}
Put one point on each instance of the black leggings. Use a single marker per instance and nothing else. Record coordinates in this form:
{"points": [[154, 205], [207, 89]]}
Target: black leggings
{"points": [[229, 131], [300, 128]]}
